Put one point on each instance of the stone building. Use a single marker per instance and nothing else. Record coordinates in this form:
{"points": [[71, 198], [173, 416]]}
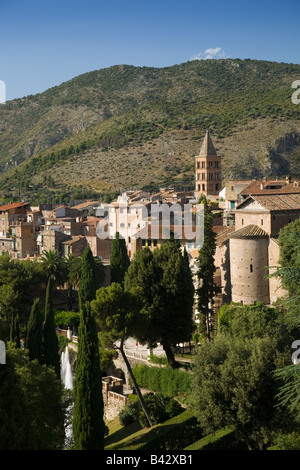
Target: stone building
{"points": [[208, 170], [248, 253]]}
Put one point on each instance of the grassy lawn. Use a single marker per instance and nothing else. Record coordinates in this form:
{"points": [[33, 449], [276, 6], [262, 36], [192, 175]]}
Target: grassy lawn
{"points": [[223, 439], [179, 433], [173, 434], [117, 432]]}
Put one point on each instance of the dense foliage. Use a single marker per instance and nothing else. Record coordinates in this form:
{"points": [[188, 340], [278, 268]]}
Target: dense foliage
{"points": [[165, 380], [164, 281], [234, 381], [31, 405]]}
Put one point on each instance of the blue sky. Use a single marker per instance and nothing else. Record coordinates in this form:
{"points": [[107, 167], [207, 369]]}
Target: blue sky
{"points": [[44, 43]]}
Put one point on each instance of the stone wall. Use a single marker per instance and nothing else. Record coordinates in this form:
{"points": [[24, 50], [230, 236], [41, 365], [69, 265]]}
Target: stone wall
{"points": [[248, 260]]}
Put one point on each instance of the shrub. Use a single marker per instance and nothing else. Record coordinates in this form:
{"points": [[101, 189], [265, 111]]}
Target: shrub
{"points": [[160, 407], [130, 413]]}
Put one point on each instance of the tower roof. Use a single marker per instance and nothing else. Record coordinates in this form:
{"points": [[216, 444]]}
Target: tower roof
{"points": [[250, 231], [207, 148]]}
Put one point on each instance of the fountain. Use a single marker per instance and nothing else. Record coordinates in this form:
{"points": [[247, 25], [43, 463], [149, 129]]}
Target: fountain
{"points": [[66, 373]]}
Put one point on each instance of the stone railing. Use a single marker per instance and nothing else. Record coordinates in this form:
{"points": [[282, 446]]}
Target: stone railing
{"points": [[116, 397]]}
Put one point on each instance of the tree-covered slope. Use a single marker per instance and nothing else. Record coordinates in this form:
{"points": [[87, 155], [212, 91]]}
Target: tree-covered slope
{"points": [[126, 126]]}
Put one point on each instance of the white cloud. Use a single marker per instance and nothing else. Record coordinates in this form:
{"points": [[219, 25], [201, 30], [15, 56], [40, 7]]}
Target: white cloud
{"points": [[211, 53]]}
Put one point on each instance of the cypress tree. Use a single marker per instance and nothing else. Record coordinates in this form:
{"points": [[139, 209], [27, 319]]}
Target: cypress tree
{"points": [[35, 333], [88, 424], [87, 286], [15, 331], [51, 356], [206, 270], [119, 260]]}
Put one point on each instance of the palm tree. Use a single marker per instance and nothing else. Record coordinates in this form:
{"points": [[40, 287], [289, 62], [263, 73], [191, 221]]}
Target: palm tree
{"points": [[74, 265], [74, 272], [55, 266]]}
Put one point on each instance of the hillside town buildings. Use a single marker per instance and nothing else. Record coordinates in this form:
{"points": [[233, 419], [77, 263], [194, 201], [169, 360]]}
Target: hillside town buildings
{"points": [[248, 216]]}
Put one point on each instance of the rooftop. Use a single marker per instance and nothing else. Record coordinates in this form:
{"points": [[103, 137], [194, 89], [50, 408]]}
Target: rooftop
{"points": [[85, 205], [275, 202], [272, 186], [207, 148], [250, 231], [13, 205]]}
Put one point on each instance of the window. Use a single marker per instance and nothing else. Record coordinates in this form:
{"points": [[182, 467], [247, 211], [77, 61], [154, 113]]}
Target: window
{"points": [[203, 187], [261, 221], [203, 164], [211, 176], [198, 164], [242, 221], [251, 268], [216, 164], [203, 176]]}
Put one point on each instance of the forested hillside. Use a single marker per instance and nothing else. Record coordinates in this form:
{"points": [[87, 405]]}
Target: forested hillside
{"points": [[131, 127]]}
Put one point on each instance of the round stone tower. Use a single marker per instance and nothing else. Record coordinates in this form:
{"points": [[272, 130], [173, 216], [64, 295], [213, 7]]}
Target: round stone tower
{"points": [[248, 265]]}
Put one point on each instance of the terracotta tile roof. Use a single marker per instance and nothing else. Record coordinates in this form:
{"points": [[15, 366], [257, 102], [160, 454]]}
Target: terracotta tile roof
{"points": [[280, 201], [13, 205], [271, 187], [223, 235], [83, 205], [275, 202], [250, 231]]}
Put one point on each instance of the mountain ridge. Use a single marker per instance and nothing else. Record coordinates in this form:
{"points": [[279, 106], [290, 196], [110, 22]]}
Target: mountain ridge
{"points": [[104, 116]]}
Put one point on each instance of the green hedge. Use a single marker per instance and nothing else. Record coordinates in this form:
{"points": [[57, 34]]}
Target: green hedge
{"points": [[165, 380]]}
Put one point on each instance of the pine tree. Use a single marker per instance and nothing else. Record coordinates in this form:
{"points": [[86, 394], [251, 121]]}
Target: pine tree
{"points": [[88, 424], [35, 333], [119, 260], [51, 356], [206, 270], [165, 281]]}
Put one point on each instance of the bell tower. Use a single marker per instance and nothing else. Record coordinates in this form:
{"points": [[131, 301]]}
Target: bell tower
{"points": [[208, 170]]}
